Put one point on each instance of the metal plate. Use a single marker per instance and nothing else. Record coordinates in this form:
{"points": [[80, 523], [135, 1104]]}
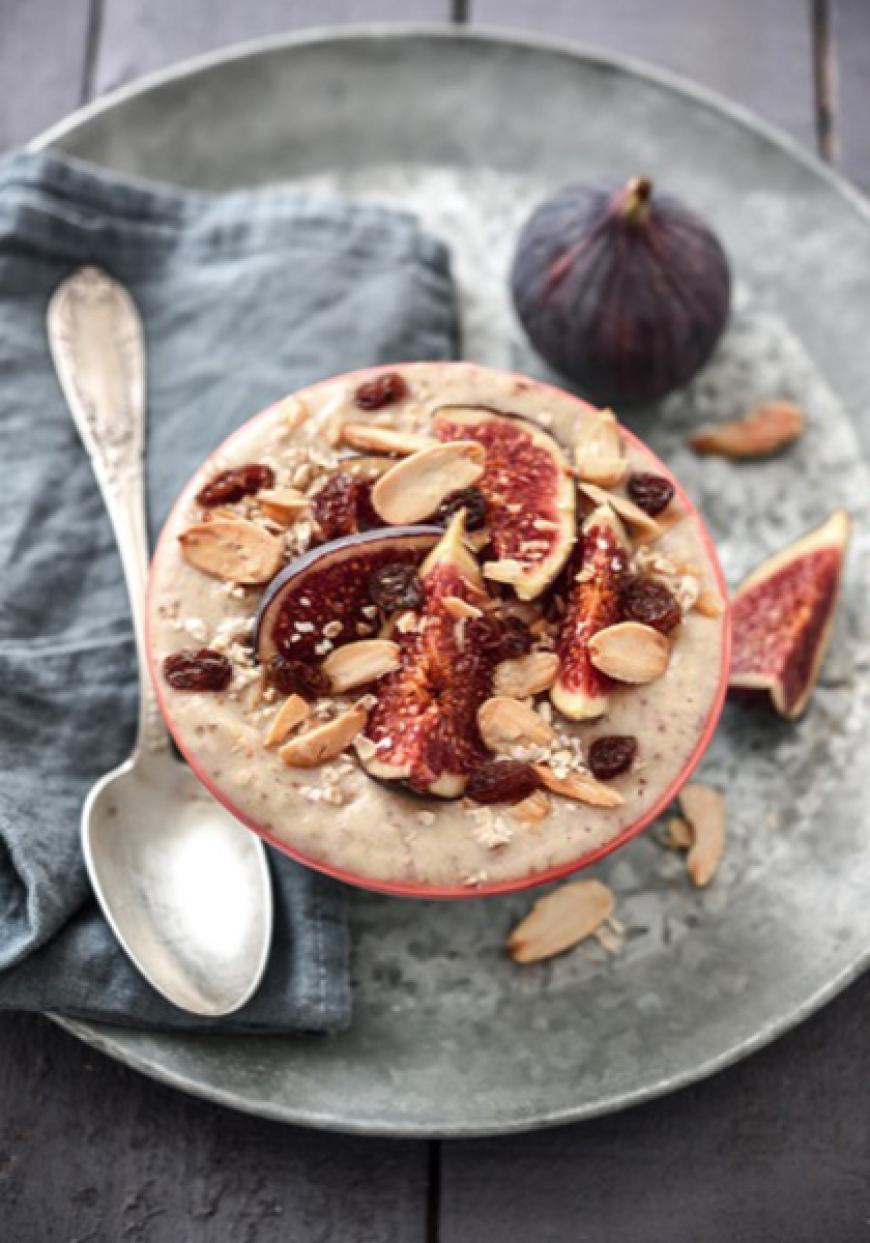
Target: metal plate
{"points": [[449, 1038]]}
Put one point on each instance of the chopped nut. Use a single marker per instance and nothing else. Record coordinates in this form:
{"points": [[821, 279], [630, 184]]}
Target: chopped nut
{"points": [[239, 551], [522, 676], [704, 809], [283, 505], [505, 723], [324, 742], [455, 606], [294, 412], [581, 787], [766, 429], [598, 450], [630, 652], [648, 528], [677, 834], [355, 664], [561, 920], [532, 809], [369, 438], [709, 604], [414, 488], [292, 712]]}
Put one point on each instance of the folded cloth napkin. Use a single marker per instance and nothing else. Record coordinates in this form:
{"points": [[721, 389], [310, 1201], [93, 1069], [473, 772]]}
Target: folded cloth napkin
{"points": [[244, 297]]}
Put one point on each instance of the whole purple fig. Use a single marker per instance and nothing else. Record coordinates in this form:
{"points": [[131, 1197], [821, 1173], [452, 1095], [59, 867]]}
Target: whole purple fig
{"points": [[626, 293]]}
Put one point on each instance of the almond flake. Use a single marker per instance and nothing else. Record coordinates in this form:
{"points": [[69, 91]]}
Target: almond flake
{"points": [[369, 438], [766, 429], [598, 450], [294, 412], [324, 742], [355, 664], [677, 834], [238, 552], [456, 607], [522, 676], [283, 505], [292, 712], [532, 809], [647, 527], [709, 604], [581, 787], [414, 488], [561, 920], [704, 809], [630, 652], [505, 723]]}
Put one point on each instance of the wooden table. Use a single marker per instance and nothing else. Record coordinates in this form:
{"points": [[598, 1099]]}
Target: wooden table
{"points": [[777, 1148]]}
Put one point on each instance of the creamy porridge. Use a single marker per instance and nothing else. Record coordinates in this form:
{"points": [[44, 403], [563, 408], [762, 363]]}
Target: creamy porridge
{"points": [[437, 627]]}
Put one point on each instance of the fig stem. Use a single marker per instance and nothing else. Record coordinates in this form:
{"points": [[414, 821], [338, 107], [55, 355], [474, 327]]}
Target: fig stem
{"points": [[633, 201]]}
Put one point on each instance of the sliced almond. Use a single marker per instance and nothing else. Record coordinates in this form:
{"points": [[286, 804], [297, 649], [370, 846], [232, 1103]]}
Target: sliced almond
{"points": [[324, 742], [533, 809], [415, 487], [505, 722], [704, 809], [709, 604], [371, 439], [581, 787], [522, 676], [598, 450], [678, 834], [292, 712], [647, 527], [456, 607], [354, 664], [766, 429], [370, 466], [561, 920], [630, 652], [283, 505], [237, 551], [294, 412]]}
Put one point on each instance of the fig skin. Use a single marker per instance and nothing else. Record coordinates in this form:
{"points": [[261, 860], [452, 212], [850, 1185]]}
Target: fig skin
{"points": [[783, 614], [625, 292]]}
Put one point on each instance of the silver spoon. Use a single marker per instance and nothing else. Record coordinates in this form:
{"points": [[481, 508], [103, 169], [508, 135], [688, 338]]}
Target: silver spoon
{"points": [[183, 885]]}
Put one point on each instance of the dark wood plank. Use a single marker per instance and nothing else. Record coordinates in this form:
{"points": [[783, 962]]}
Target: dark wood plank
{"points": [[776, 1148], [850, 36], [758, 52], [90, 1151], [142, 35], [43, 48]]}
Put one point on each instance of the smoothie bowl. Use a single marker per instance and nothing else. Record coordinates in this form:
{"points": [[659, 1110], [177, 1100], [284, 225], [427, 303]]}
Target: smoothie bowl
{"points": [[438, 630]]}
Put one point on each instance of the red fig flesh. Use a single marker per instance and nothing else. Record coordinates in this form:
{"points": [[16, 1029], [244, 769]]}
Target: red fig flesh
{"points": [[783, 614], [529, 492]]}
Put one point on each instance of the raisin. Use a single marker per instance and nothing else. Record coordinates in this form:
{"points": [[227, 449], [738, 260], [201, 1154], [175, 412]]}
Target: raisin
{"points": [[503, 639], [297, 677], [515, 639], [396, 587], [646, 601], [610, 756], [651, 493], [343, 507], [385, 390], [502, 781], [199, 669], [471, 500], [232, 485]]}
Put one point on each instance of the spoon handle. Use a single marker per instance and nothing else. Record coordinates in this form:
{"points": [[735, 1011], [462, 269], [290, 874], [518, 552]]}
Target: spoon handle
{"points": [[96, 340]]}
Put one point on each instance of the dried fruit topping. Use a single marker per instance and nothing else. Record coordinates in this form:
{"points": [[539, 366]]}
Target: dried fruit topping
{"points": [[424, 724], [783, 615], [522, 676], [199, 669], [598, 449], [369, 438], [651, 493], [356, 664], [413, 489], [529, 492], [386, 389], [324, 742], [595, 575], [322, 600], [296, 677], [704, 809], [237, 551], [505, 723], [580, 787], [630, 652], [232, 485], [561, 920], [502, 781], [395, 586], [765, 430], [611, 755], [471, 500], [343, 506], [650, 602]]}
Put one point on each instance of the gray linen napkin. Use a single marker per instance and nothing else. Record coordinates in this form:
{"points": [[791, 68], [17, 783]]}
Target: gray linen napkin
{"points": [[244, 297]]}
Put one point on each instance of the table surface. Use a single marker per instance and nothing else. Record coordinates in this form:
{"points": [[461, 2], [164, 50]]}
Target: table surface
{"points": [[777, 1148]]}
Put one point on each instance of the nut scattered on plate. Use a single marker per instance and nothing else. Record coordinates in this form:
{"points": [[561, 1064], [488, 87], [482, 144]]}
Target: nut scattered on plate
{"points": [[561, 920]]}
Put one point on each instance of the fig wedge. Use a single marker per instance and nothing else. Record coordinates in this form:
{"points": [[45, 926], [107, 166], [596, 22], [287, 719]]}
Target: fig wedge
{"points": [[424, 726], [529, 490], [596, 574], [783, 614], [330, 584]]}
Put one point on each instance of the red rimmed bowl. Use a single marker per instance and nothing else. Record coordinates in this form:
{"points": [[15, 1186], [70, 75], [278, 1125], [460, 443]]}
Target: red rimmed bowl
{"points": [[381, 838]]}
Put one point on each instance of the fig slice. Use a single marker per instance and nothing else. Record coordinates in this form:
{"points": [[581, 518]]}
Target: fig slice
{"points": [[529, 491], [324, 594], [596, 572], [783, 614], [423, 729]]}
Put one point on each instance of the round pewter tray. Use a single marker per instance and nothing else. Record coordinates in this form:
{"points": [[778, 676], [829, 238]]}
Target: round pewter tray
{"points": [[449, 1038]]}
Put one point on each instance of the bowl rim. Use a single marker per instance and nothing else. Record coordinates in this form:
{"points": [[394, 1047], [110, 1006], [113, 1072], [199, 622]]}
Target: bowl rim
{"points": [[451, 892]]}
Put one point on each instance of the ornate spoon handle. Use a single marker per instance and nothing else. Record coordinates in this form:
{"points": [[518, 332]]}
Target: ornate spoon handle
{"points": [[96, 341]]}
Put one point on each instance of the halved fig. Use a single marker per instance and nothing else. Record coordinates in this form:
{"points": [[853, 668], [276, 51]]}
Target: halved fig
{"points": [[595, 575], [423, 729], [330, 584], [529, 491], [783, 614]]}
